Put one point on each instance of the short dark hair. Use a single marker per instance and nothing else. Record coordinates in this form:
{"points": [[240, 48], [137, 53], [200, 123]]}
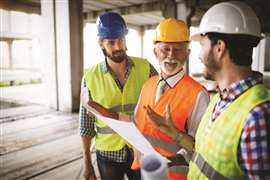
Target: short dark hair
{"points": [[240, 46]]}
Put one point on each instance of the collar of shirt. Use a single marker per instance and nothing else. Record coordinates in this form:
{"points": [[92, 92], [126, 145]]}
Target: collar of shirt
{"points": [[173, 80], [239, 87], [105, 67]]}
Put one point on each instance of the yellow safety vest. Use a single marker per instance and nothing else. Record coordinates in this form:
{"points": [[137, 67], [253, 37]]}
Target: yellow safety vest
{"points": [[105, 91], [216, 148]]}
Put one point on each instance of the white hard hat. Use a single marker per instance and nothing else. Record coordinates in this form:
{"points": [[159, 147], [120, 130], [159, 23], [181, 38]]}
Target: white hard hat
{"points": [[232, 17]]}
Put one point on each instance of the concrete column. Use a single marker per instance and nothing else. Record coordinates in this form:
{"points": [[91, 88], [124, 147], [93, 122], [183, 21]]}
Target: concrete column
{"points": [[267, 53], [141, 33], [169, 9], [76, 41], [48, 53], [10, 56], [182, 12], [65, 61], [69, 30], [261, 55]]}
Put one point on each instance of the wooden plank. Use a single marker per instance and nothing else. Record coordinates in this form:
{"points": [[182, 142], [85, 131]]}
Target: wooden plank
{"points": [[73, 170], [27, 162], [42, 147], [28, 132], [37, 122], [22, 112], [33, 136]]}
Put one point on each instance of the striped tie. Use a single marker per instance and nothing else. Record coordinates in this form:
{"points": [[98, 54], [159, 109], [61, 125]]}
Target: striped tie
{"points": [[160, 89]]}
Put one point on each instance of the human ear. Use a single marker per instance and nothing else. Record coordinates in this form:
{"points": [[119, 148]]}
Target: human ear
{"points": [[155, 51], [220, 48], [100, 43]]}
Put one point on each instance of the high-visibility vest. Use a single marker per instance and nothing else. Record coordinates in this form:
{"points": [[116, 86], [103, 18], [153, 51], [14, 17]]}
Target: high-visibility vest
{"points": [[181, 99], [105, 91], [216, 147]]}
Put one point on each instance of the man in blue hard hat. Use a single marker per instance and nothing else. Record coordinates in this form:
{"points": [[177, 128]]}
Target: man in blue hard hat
{"points": [[114, 85]]}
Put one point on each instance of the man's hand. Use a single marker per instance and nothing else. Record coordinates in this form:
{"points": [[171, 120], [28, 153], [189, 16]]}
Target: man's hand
{"points": [[137, 154], [102, 110], [166, 125]]}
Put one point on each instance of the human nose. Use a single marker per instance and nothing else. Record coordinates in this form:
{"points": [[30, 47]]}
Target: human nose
{"points": [[170, 53], [118, 45]]}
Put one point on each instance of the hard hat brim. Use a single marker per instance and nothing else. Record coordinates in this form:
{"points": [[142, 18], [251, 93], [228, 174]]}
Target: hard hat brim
{"points": [[198, 35]]}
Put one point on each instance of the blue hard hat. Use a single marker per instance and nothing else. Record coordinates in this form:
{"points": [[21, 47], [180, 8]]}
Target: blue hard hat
{"points": [[111, 26]]}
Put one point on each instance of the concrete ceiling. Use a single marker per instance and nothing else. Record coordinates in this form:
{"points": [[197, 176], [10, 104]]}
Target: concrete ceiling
{"points": [[143, 13], [135, 12]]}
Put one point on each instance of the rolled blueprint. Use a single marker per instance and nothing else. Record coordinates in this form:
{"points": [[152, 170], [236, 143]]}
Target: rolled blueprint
{"points": [[154, 167]]}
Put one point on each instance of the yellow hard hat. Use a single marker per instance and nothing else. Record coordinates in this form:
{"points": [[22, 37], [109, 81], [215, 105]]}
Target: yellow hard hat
{"points": [[171, 30]]}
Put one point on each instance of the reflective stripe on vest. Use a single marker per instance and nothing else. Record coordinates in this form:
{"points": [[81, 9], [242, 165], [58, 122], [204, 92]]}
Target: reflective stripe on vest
{"points": [[206, 168], [119, 108], [123, 108], [105, 130], [179, 169], [162, 144]]}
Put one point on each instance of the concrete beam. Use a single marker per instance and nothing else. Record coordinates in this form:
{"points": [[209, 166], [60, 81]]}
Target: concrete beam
{"points": [[136, 9], [7, 36], [21, 5]]}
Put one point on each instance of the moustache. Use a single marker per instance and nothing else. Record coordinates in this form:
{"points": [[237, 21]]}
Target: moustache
{"points": [[170, 61], [118, 52]]}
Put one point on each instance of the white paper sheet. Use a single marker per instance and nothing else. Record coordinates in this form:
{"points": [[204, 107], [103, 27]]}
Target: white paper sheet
{"points": [[130, 133]]}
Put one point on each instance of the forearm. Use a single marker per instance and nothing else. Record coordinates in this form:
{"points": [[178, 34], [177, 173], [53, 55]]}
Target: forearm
{"points": [[88, 172], [86, 144]]}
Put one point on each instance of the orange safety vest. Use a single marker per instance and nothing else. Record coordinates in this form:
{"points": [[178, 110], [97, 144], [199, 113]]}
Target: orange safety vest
{"points": [[181, 99]]}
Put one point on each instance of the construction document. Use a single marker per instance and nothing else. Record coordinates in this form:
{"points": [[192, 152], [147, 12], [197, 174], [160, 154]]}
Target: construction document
{"points": [[128, 131]]}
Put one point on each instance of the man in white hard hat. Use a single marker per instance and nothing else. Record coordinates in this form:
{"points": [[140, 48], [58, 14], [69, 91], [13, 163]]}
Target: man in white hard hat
{"points": [[233, 138]]}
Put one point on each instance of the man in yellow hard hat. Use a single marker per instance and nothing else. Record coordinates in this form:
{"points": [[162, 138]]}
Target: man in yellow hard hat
{"points": [[172, 89]]}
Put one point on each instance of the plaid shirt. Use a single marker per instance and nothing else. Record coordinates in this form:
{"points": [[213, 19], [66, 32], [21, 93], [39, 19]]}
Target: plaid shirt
{"points": [[87, 123], [254, 146]]}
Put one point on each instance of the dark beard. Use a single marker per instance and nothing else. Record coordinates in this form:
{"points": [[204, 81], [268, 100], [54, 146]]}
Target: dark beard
{"points": [[211, 67], [117, 56]]}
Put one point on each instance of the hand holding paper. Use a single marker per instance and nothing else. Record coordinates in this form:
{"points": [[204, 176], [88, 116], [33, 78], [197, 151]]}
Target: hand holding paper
{"points": [[102, 110], [130, 133], [91, 105]]}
